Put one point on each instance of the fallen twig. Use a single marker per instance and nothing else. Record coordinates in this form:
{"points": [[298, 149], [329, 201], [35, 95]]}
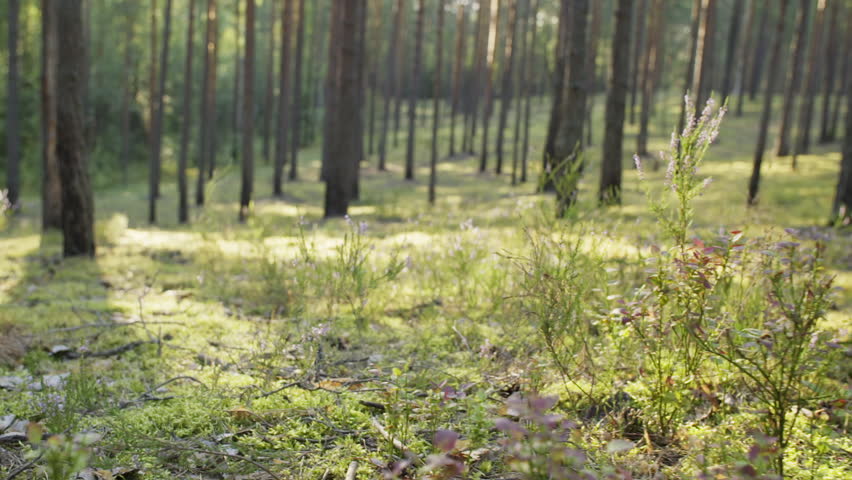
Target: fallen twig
{"points": [[23, 468], [352, 471], [396, 443], [147, 395]]}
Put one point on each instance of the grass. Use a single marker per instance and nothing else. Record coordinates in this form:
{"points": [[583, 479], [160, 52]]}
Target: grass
{"points": [[232, 312]]}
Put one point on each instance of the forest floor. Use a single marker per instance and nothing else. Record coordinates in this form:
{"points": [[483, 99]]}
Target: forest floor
{"points": [[292, 346]]}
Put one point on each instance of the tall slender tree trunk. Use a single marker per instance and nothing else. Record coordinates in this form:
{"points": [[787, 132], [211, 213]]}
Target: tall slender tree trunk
{"points": [[461, 23], [268, 105], [759, 57], [399, 80], [731, 54], [639, 40], [127, 92], [343, 150], [791, 89], [239, 80], [436, 100], [414, 91], [13, 129], [282, 147], [831, 63], [186, 124], [247, 184], [569, 139], [478, 62], [648, 85], [774, 64], [361, 77], [844, 80], [528, 84], [690, 68], [208, 104], [487, 100], [331, 128], [747, 55], [390, 83], [375, 37], [506, 87], [152, 80], [51, 187], [609, 191], [296, 107], [560, 72], [592, 63], [706, 53], [841, 209], [519, 87], [156, 159], [806, 112], [78, 211]]}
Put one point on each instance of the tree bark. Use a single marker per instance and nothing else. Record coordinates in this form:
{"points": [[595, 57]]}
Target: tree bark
{"points": [[638, 48], [51, 187], [269, 104], [520, 87], [759, 52], [706, 52], [480, 55], [186, 124], [152, 82], [747, 55], [247, 184], [609, 191], [569, 140], [774, 64], [156, 160], [591, 65], [436, 101], [690, 68], [841, 211], [651, 60], [488, 94], [282, 147], [414, 91], [506, 87], [528, 83], [806, 112], [733, 41], [78, 216], [831, 56], [791, 89], [390, 83], [13, 129], [844, 80], [296, 107], [560, 70], [208, 104], [461, 23]]}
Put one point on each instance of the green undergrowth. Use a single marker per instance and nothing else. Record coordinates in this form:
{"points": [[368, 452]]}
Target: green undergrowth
{"points": [[291, 346]]}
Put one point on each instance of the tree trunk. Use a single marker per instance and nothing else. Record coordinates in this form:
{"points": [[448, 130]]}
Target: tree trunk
{"points": [[831, 56], [759, 53], [436, 100], [208, 104], [806, 112], [569, 140], [841, 211], [506, 87], [186, 123], [488, 94], [638, 48], [361, 62], [78, 216], [560, 67], [126, 98], [591, 65], [648, 85], [331, 114], [399, 81], [528, 83], [282, 148], [152, 82], [239, 80], [611, 164], [248, 114], [296, 107], [268, 104], [461, 23], [390, 83], [791, 89], [774, 63], [690, 68], [51, 187], [157, 133], [731, 55], [706, 52], [414, 87], [747, 55], [520, 87], [343, 51], [844, 80], [13, 129], [480, 55]]}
